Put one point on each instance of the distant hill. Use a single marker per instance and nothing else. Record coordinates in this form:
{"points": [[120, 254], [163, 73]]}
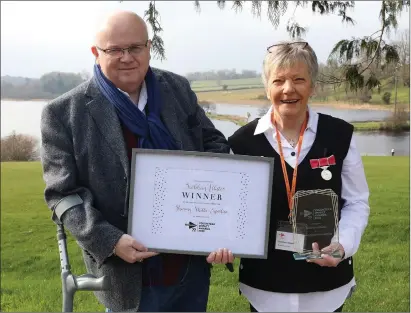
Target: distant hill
{"points": [[52, 85], [48, 86], [14, 80]]}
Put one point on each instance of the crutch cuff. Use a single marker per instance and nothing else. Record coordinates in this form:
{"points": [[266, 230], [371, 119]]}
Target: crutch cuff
{"points": [[66, 204]]}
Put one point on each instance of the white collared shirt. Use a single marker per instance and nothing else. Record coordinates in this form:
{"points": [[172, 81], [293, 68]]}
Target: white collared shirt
{"points": [[354, 219], [142, 99]]}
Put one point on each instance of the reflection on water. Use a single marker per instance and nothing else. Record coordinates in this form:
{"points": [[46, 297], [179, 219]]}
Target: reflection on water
{"points": [[24, 117], [355, 115], [345, 114], [371, 143], [227, 128], [240, 110]]}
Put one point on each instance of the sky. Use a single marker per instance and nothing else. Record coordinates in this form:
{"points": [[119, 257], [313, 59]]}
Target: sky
{"points": [[38, 37]]}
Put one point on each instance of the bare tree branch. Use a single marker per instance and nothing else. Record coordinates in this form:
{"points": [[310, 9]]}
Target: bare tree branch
{"points": [[197, 6], [221, 4], [152, 17], [238, 6], [256, 8], [356, 56]]}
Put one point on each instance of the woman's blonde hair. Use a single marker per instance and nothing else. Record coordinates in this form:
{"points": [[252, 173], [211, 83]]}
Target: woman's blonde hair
{"points": [[287, 53]]}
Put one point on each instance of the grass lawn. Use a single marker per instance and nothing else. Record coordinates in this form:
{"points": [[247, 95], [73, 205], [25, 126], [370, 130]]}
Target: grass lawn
{"points": [[229, 82], [30, 268], [371, 126], [403, 94], [251, 91], [248, 96], [232, 84]]}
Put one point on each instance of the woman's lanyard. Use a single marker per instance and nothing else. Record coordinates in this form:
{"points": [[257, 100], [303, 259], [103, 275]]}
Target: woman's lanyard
{"points": [[290, 191]]}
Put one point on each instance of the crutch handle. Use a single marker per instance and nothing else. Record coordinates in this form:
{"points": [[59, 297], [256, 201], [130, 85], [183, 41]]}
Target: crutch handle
{"points": [[71, 283], [90, 282]]}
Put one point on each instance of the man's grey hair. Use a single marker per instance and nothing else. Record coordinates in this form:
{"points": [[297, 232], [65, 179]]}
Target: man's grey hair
{"points": [[285, 54]]}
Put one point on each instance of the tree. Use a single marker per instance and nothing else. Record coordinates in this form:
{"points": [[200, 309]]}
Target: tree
{"points": [[359, 55], [85, 75], [48, 86], [386, 97], [355, 56], [207, 106], [403, 44], [59, 82], [18, 147]]}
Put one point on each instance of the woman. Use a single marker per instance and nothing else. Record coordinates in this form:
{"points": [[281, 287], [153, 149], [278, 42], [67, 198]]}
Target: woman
{"points": [[293, 134]]}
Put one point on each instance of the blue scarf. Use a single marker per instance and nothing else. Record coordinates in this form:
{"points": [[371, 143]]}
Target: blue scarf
{"points": [[151, 131]]}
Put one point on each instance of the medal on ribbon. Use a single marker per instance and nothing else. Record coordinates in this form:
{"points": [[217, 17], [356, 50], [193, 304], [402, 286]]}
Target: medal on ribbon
{"points": [[323, 163]]}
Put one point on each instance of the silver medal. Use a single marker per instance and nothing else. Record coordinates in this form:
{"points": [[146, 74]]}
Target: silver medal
{"points": [[326, 174]]}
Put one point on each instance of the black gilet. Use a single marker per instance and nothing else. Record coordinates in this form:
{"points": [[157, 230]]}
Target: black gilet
{"points": [[280, 272]]}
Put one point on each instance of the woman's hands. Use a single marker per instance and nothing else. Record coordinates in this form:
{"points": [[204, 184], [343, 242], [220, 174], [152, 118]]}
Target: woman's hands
{"points": [[328, 260], [221, 256]]}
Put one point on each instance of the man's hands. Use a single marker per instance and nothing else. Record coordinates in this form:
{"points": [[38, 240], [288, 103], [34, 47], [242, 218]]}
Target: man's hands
{"points": [[222, 256], [131, 251], [327, 260]]}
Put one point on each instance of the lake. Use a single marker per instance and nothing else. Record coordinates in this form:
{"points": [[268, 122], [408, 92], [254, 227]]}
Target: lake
{"points": [[345, 114], [24, 117], [368, 143]]}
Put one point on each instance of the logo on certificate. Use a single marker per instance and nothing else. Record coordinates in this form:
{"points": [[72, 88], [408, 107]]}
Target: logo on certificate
{"points": [[191, 226], [200, 227]]}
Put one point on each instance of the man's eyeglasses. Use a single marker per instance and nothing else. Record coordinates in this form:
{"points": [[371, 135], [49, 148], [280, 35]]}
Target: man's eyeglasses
{"points": [[303, 44], [133, 50]]}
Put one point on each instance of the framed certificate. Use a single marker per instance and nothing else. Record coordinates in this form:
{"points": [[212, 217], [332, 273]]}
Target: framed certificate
{"points": [[197, 202]]}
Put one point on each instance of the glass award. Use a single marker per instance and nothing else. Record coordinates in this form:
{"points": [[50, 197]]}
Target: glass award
{"points": [[315, 216]]}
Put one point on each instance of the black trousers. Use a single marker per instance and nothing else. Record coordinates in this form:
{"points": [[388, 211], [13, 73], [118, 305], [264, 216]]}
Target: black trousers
{"points": [[252, 309]]}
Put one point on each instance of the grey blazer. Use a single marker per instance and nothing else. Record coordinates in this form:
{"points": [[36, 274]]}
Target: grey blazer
{"points": [[83, 152]]}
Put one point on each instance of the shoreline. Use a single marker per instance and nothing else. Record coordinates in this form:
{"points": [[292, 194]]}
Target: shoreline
{"points": [[264, 103], [331, 104], [368, 126]]}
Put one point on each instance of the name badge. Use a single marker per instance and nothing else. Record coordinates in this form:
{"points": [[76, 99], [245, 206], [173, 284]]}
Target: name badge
{"points": [[288, 241]]}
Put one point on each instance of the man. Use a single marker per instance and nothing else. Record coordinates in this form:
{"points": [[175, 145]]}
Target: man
{"points": [[87, 137]]}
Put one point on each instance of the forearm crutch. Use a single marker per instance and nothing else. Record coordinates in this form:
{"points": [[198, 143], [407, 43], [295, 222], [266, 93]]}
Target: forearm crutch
{"points": [[70, 282]]}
